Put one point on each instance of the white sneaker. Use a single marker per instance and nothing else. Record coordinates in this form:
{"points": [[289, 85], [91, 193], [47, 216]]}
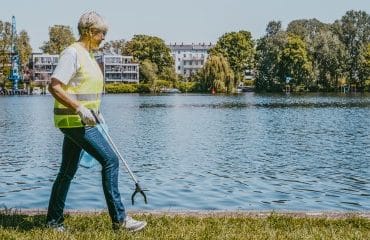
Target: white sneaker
{"points": [[56, 227], [132, 225]]}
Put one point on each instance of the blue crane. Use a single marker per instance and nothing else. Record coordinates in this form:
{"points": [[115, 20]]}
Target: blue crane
{"points": [[14, 75]]}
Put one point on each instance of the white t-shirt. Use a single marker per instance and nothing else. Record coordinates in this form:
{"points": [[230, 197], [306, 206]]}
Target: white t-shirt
{"points": [[67, 66]]}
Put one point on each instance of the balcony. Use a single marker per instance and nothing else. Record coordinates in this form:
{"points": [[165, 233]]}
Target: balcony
{"points": [[192, 66]]}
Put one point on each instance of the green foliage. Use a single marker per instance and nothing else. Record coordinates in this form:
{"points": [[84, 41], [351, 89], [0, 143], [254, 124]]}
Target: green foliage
{"points": [[148, 74], [354, 31], [114, 46], [309, 30], [185, 87], [153, 49], [126, 88], [164, 84], [279, 56], [329, 57], [154, 57], [188, 226], [317, 56], [306, 29], [5, 45], [24, 47], [169, 74], [143, 88], [294, 61], [238, 49], [273, 28], [60, 37], [216, 74], [268, 60], [364, 69]]}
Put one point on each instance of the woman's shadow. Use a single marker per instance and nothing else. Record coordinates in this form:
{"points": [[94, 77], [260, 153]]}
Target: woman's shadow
{"points": [[15, 219]]}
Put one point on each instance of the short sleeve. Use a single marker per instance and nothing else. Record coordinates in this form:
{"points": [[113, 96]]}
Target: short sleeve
{"points": [[67, 65]]}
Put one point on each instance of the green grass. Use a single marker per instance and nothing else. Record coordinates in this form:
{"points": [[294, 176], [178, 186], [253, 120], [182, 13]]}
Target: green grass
{"points": [[16, 225]]}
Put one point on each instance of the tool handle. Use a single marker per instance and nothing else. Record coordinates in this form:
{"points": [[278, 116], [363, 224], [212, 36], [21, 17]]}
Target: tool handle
{"points": [[137, 186], [95, 116]]}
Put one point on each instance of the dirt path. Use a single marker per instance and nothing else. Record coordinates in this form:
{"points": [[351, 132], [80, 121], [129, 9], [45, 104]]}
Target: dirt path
{"points": [[252, 214]]}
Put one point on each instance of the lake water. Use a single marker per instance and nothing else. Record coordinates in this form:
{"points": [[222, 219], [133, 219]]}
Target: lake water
{"points": [[202, 152]]}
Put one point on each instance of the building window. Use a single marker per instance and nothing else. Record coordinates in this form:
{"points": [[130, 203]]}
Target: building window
{"points": [[178, 52], [179, 59], [184, 55], [178, 68], [191, 63]]}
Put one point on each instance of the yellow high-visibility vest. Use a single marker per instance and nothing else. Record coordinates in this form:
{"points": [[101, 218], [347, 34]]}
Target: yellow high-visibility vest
{"points": [[87, 91]]}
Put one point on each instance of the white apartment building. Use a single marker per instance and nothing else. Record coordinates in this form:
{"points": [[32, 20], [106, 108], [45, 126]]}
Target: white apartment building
{"points": [[118, 68], [43, 66], [189, 58]]}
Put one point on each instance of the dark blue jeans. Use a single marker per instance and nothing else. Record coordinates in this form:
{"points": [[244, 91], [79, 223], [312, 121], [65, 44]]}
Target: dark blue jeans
{"points": [[93, 142]]}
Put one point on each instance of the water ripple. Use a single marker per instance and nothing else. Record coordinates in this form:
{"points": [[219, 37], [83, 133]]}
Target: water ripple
{"points": [[250, 152]]}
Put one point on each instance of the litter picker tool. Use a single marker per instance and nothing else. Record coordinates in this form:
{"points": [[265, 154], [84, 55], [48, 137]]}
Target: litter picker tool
{"points": [[137, 186]]}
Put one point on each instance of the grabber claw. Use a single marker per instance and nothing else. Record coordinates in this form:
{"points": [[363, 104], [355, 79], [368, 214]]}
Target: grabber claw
{"points": [[138, 190]]}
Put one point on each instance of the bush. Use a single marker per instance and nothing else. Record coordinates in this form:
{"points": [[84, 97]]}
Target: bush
{"points": [[367, 86], [188, 86], [143, 88], [163, 84], [126, 88], [120, 88]]}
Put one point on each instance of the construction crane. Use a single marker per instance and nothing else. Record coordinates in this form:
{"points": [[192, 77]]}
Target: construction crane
{"points": [[14, 75]]}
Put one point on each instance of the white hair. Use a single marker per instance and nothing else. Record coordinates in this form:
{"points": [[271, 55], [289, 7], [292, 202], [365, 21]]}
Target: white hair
{"points": [[91, 20]]}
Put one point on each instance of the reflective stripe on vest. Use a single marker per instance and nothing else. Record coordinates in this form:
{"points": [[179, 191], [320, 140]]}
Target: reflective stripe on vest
{"points": [[86, 97], [86, 86]]}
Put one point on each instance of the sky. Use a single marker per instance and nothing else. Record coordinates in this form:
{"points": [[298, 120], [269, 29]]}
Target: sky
{"points": [[190, 21]]}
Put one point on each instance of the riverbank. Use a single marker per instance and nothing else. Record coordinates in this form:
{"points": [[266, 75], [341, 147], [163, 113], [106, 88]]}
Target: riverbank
{"points": [[29, 224]]}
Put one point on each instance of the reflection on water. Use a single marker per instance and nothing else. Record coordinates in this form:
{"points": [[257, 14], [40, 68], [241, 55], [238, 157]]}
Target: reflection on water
{"points": [[251, 152]]}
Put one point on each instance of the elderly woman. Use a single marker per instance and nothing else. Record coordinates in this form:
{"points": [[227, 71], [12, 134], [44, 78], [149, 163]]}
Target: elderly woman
{"points": [[76, 85]]}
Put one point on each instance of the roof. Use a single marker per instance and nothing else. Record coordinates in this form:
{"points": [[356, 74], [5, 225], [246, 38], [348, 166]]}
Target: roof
{"points": [[202, 46]]}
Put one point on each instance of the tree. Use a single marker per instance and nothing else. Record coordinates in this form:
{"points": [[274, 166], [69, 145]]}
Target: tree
{"points": [[154, 49], [114, 46], [60, 37], [308, 30], [24, 47], [5, 45], [238, 49], [354, 31], [169, 74], [365, 63], [294, 62], [148, 73], [268, 54], [217, 74], [330, 57], [273, 27]]}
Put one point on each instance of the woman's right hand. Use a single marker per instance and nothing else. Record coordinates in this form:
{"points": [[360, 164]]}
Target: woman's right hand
{"points": [[86, 116]]}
